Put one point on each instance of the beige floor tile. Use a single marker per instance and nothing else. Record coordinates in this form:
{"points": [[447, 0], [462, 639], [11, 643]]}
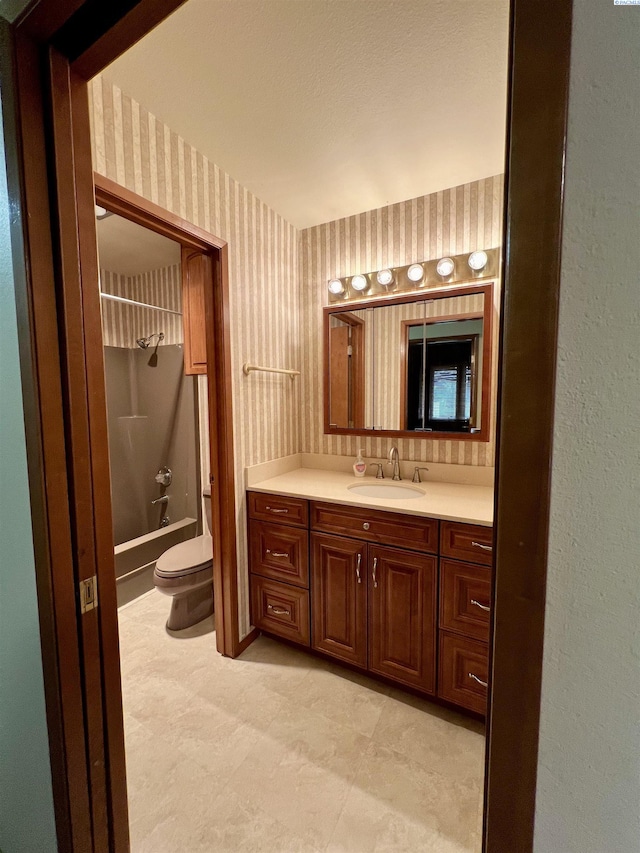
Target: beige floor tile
{"points": [[345, 697], [282, 752], [442, 740], [396, 803]]}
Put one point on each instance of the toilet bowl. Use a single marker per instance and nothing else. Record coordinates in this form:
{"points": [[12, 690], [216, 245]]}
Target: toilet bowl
{"points": [[185, 572]]}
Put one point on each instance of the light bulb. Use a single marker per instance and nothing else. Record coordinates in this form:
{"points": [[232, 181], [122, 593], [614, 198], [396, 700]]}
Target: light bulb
{"points": [[445, 267], [335, 287], [478, 260], [359, 282], [385, 277], [101, 212], [415, 272]]}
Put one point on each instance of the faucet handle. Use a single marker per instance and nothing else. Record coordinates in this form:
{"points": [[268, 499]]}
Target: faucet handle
{"points": [[416, 473], [379, 472]]}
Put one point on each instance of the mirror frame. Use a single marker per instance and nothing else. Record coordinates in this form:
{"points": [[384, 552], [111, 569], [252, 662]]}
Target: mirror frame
{"points": [[466, 289]]}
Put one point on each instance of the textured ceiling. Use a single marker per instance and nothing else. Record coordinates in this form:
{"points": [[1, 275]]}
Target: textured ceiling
{"points": [[129, 249], [326, 108]]}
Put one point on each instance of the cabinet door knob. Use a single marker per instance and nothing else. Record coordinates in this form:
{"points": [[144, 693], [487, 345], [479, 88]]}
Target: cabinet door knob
{"points": [[481, 606], [358, 561], [483, 547], [375, 566], [479, 680], [366, 525]]}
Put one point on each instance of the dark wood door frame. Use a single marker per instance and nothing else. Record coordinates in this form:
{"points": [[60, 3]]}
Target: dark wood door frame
{"points": [[91, 817], [128, 204]]}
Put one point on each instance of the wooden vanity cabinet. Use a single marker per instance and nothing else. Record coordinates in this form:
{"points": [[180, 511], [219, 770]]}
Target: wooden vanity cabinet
{"points": [[465, 611], [367, 588], [339, 597], [373, 605], [279, 565], [402, 616]]}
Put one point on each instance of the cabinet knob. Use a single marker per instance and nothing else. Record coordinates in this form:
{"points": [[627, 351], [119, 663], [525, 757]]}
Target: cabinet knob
{"points": [[366, 525]]}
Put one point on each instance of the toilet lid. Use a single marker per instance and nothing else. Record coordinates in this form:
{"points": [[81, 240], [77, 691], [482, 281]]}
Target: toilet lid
{"points": [[186, 557]]}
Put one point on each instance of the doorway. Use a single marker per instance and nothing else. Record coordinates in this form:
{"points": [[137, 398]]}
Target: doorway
{"points": [[501, 731]]}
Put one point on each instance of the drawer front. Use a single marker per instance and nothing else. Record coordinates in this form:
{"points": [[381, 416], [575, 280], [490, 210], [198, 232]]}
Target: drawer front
{"points": [[465, 598], [280, 609], [388, 528], [280, 509], [279, 552], [463, 672], [470, 542]]}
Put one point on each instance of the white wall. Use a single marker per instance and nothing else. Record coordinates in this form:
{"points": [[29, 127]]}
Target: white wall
{"points": [[26, 800], [589, 762]]}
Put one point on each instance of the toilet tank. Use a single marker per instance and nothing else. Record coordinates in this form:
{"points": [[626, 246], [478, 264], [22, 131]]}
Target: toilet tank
{"points": [[206, 494]]}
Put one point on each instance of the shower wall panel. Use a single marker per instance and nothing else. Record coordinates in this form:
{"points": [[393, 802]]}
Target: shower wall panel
{"points": [[152, 418]]}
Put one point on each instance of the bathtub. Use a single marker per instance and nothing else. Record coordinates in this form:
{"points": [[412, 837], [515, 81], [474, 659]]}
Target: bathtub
{"points": [[135, 560]]}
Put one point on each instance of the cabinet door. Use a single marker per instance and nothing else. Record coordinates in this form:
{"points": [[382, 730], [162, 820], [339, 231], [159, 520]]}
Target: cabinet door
{"points": [[339, 597], [402, 622], [196, 275]]}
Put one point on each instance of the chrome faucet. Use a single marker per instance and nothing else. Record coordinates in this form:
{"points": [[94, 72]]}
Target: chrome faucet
{"points": [[394, 459]]}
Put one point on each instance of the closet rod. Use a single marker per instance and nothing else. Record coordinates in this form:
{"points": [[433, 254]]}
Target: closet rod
{"points": [[140, 304]]}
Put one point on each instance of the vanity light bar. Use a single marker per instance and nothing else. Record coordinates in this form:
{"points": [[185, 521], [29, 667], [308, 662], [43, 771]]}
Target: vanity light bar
{"points": [[476, 265]]}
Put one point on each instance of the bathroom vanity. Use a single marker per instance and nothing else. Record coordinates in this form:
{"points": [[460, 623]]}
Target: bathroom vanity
{"points": [[401, 594]]}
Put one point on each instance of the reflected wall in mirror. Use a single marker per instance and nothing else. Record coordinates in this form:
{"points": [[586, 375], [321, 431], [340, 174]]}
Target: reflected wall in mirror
{"points": [[411, 366]]}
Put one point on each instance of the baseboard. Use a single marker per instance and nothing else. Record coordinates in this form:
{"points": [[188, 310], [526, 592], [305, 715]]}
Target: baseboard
{"points": [[253, 634]]}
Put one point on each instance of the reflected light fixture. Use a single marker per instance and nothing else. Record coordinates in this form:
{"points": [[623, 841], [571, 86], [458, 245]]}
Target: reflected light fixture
{"points": [[359, 282], [477, 261], [336, 287], [101, 212], [445, 267], [415, 272], [385, 277]]}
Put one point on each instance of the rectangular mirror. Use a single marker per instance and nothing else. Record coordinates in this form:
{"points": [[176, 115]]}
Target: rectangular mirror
{"points": [[411, 366]]}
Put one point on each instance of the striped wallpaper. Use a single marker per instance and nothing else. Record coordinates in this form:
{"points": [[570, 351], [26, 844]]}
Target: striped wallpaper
{"points": [[452, 221], [278, 282], [123, 324], [138, 151]]}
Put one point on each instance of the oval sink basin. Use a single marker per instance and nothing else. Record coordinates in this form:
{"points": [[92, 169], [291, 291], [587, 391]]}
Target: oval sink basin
{"points": [[390, 491]]}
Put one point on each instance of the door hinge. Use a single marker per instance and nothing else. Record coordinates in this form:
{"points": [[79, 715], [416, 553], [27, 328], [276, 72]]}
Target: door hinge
{"points": [[349, 350], [88, 594]]}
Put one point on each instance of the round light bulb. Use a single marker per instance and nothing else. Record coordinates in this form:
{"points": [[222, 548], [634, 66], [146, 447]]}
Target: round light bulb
{"points": [[385, 277], [335, 287], [359, 282], [478, 261], [445, 267], [415, 272], [100, 211]]}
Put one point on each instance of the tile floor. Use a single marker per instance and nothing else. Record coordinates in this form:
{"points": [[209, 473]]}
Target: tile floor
{"points": [[278, 751]]}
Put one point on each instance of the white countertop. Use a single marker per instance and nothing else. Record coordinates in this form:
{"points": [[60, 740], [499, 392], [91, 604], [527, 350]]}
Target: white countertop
{"points": [[448, 501]]}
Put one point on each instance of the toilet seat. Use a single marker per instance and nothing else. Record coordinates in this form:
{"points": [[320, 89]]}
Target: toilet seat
{"points": [[186, 558]]}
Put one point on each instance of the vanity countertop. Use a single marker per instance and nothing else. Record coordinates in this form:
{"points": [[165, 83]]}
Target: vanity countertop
{"points": [[447, 501]]}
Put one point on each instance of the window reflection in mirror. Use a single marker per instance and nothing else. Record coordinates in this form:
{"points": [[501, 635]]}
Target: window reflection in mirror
{"points": [[411, 366], [443, 363]]}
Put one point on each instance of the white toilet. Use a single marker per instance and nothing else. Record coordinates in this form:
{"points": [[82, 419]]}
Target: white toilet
{"points": [[185, 572]]}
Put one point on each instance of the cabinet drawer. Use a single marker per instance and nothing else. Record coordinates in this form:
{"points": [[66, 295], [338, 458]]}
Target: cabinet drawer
{"points": [[294, 511], [463, 672], [279, 552], [280, 609], [465, 598], [470, 542], [388, 528]]}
